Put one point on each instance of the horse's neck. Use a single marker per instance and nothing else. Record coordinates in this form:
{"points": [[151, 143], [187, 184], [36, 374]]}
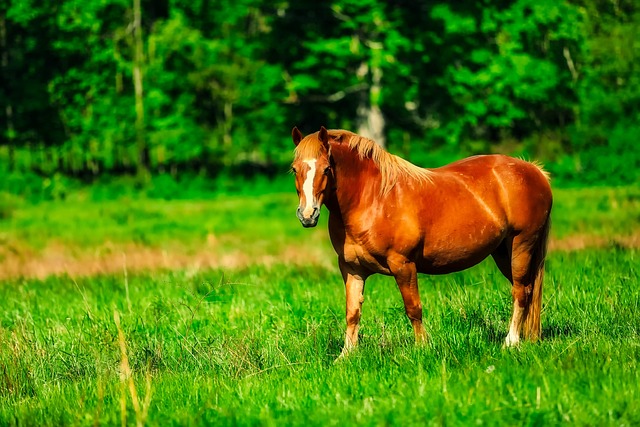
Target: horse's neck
{"points": [[357, 181]]}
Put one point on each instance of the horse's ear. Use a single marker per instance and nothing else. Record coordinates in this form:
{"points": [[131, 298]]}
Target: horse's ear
{"points": [[323, 136], [296, 135]]}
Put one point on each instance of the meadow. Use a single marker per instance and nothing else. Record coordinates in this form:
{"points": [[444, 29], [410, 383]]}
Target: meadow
{"points": [[225, 311]]}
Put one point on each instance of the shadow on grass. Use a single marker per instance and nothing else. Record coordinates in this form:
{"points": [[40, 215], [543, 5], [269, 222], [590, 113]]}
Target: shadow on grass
{"points": [[495, 331], [555, 331]]}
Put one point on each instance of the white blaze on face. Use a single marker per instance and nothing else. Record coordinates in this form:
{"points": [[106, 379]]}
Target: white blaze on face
{"points": [[307, 188]]}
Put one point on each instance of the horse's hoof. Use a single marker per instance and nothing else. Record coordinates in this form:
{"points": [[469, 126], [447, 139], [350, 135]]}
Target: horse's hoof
{"points": [[423, 340], [508, 343], [344, 354]]}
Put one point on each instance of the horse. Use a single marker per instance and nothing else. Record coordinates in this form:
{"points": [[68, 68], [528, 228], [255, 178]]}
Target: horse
{"points": [[390, 217]]}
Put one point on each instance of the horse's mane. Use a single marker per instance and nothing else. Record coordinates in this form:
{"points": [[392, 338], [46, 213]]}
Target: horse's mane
{"points": [[391, 166]]}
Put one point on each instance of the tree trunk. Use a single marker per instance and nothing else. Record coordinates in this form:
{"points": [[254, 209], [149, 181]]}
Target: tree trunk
{"points": [[370, 120], [8, 108], [226, 125], [138, 62]]}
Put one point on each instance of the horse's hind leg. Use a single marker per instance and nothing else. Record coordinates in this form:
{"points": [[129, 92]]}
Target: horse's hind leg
{"points": [[520, 288], [505, 260], [527, 269]]}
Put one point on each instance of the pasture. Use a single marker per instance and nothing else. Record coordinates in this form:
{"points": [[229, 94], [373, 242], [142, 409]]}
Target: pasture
{"points": [[227, 312]]}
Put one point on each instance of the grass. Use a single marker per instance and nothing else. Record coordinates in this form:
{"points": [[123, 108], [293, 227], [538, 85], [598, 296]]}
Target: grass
{"points": [[257, 346], [86, 224], [43, 236], [256, 343], [605, 212]]}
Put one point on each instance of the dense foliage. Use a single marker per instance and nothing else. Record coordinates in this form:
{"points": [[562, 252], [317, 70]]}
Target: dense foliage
{"points": [[129, 86]]}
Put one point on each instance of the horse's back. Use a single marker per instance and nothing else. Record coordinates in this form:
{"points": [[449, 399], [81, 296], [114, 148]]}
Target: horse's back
{"points": [[521, 188], [484, 164]]}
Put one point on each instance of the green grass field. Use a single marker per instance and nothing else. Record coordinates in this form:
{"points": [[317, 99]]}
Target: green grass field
{"points": [[255, 342]]}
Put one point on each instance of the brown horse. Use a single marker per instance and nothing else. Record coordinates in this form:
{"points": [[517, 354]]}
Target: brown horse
{"points": [[391, 217]]}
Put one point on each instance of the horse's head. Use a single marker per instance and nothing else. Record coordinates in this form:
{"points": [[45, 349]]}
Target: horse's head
{"points": [[313, 173]]}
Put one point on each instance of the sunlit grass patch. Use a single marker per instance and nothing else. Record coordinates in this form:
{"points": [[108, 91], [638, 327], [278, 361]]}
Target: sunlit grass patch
{"points": [[257, 345]]}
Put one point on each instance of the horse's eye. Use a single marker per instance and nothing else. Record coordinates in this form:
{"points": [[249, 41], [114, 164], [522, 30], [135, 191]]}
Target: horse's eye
{"points": [[327, 170], [294, 171]]}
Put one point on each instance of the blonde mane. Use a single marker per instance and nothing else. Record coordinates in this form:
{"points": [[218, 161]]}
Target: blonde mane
{"points": [[391, 166]]}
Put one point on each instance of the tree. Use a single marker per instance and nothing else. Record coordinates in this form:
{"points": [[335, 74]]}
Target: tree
{"points": [[344, 56]]}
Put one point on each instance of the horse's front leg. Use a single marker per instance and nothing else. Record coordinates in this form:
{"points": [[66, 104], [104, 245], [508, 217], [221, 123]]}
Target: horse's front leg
{"points": [[406, 277], [354, 286]]}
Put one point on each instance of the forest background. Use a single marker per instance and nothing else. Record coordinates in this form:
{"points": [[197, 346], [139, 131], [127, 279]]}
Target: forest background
{"points": [[183, 96]]}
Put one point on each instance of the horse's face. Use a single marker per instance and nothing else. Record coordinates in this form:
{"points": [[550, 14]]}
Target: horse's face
{"points": [[314, 180]]}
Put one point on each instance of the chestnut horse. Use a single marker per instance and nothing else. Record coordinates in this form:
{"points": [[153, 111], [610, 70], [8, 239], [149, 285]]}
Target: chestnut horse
{"points": [[391, 217]]}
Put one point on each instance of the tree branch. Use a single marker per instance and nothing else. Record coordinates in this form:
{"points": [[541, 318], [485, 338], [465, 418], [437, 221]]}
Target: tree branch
{"points": [[334, 97]]}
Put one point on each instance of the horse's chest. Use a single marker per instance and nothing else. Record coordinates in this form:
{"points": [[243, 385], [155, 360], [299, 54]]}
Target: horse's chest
{"points": [[363, 251]]}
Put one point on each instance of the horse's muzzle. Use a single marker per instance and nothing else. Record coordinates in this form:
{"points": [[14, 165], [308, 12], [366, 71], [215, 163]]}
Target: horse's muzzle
{"points": [[311, 221]]}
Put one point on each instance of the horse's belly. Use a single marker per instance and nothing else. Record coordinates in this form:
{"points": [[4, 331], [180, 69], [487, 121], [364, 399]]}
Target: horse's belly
{"points": [[455, 254], [442, 265]]}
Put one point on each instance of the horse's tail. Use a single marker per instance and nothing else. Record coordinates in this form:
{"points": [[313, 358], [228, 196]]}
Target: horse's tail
{"points": [[531, 327]]}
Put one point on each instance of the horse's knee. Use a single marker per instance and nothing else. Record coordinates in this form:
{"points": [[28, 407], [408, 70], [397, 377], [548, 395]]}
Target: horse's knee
{"points": [[353, 316]]}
